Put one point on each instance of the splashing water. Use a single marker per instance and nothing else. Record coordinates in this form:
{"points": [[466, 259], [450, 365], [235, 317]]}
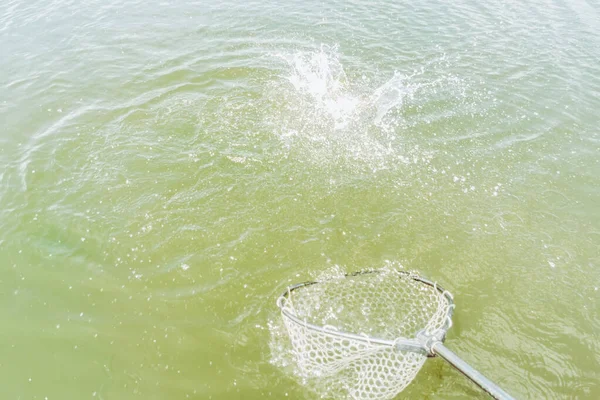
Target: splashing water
{"points": [[389, 96], [321, 77], [339, 121]]}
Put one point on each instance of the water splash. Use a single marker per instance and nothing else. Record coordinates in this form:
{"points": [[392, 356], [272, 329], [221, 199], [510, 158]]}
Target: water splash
{"points": [[320, 77], [337, 120], [390, 96]]}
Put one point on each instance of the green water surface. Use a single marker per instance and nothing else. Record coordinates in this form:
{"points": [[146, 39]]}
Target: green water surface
{"points": [[168, 167]]}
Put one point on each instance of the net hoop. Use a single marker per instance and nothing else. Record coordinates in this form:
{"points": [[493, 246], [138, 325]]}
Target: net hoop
{"points": [[416, 344]]}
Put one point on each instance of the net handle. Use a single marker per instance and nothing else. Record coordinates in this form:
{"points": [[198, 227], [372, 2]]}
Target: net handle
{"points": [[477, 377]]}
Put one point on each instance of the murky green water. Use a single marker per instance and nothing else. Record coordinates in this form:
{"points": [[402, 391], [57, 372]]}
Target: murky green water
{"points": [[169, 167]]}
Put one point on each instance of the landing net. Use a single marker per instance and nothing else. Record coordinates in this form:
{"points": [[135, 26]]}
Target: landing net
{"points": [[359, 334]]}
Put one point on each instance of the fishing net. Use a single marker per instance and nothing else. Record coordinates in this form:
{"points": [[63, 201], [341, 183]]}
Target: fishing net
{"points": [[361, 335]]}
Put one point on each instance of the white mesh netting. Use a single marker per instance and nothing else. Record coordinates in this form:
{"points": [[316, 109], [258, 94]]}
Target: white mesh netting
{"points": [[387, 305]]}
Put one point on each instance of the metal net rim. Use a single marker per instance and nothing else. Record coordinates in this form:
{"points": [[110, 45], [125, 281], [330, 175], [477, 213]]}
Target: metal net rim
{"points": [[403, 344]]}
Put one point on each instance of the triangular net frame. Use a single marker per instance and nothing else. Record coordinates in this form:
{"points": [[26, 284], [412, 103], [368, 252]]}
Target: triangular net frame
{"points": [[358, 335]]}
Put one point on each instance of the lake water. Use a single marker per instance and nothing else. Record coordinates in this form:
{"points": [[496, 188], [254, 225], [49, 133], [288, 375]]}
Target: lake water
{"points": [[169, 167]]}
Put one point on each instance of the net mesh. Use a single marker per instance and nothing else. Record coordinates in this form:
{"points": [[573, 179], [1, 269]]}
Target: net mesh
{"points": [[379, 305]]}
